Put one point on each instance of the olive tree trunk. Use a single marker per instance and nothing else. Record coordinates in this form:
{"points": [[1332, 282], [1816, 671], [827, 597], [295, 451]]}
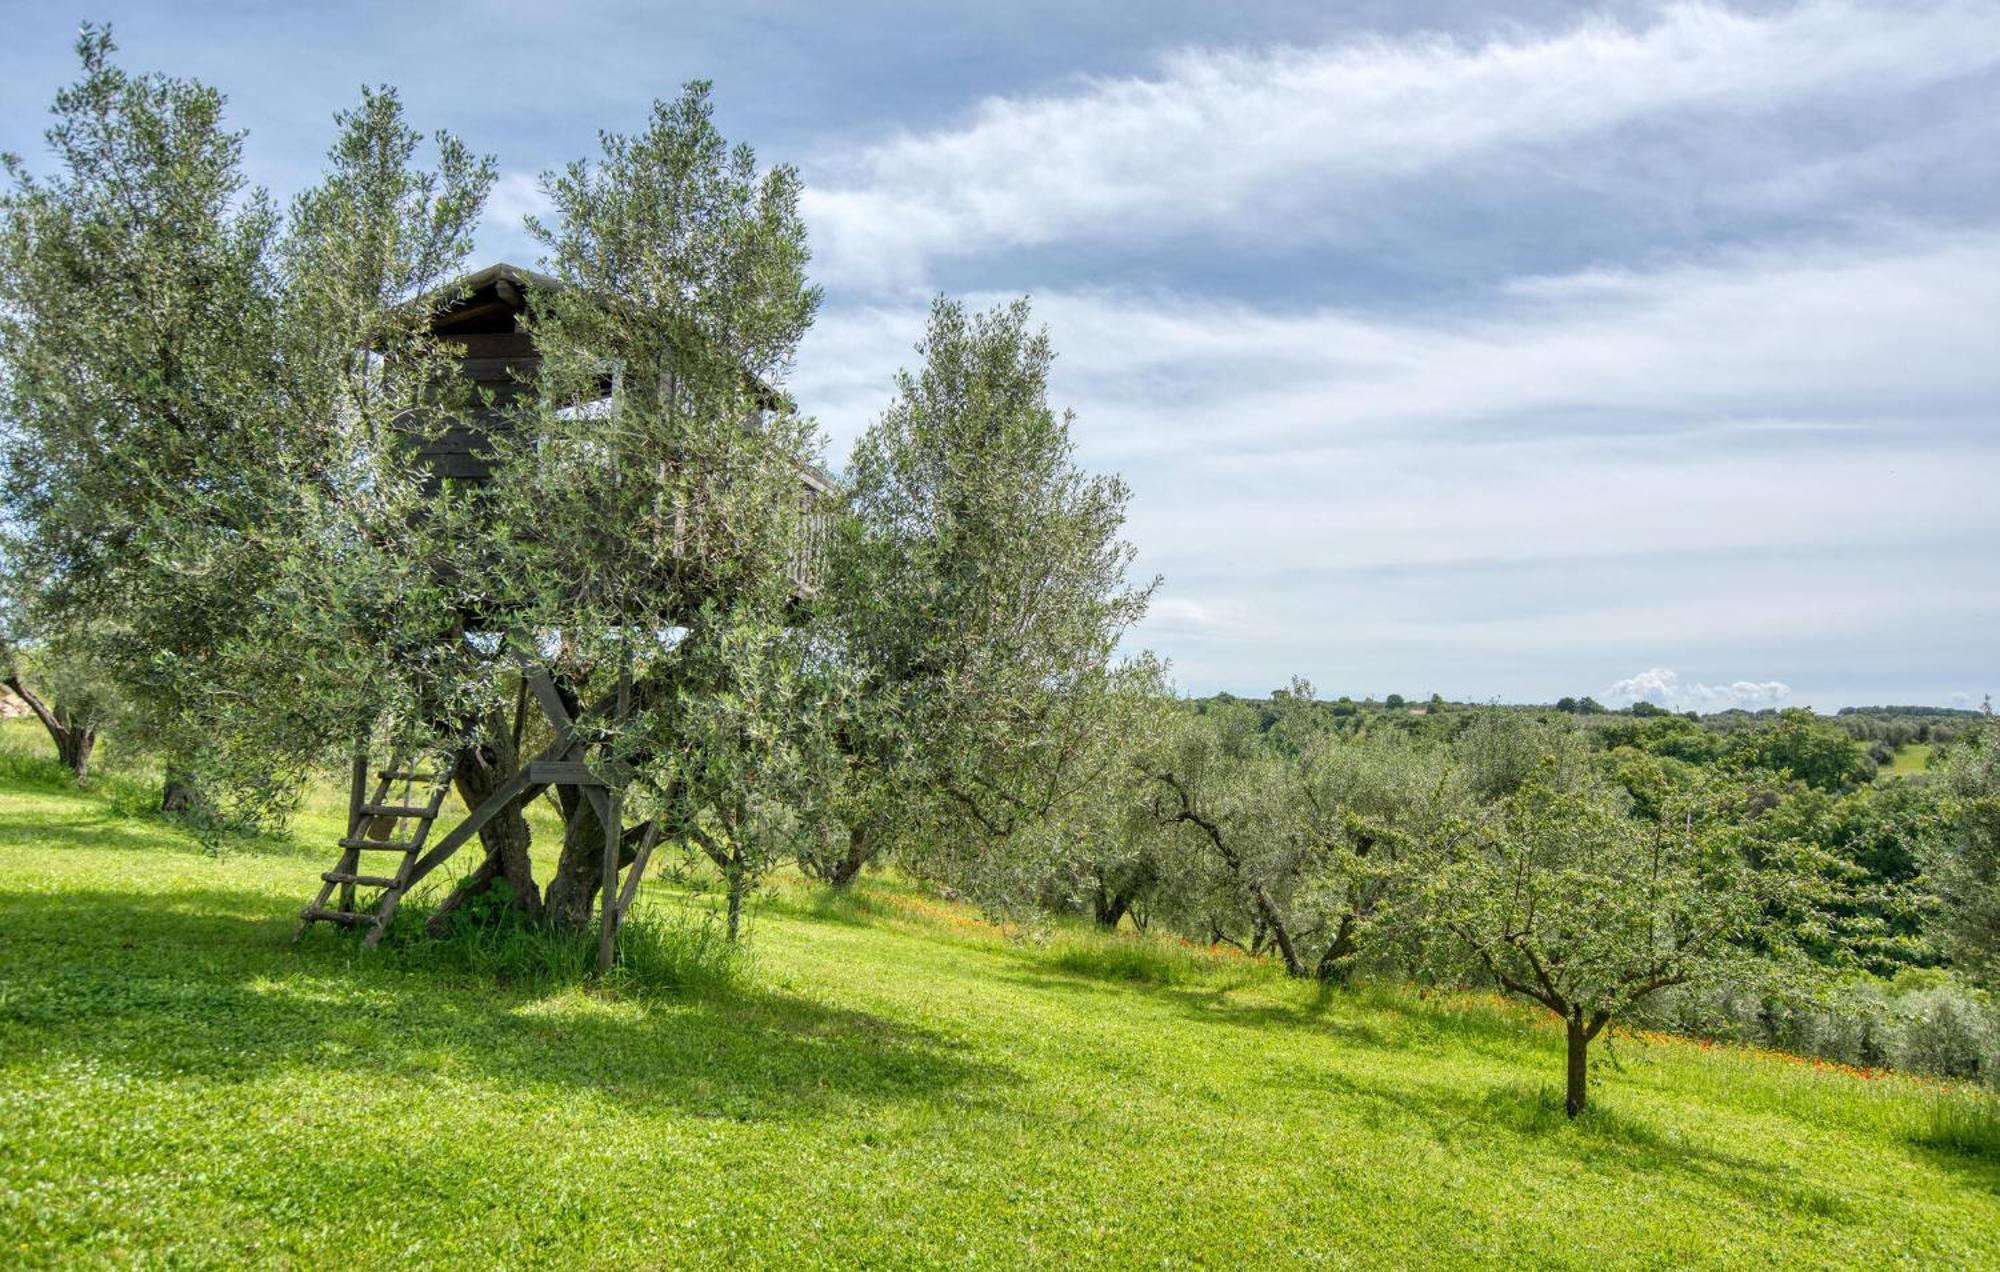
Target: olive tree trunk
{"points": [[478, 772], [571, 900], [1577, 1093], [1578, 1030], [846, 869], [74, 739], [178, 793], [580, 870]]}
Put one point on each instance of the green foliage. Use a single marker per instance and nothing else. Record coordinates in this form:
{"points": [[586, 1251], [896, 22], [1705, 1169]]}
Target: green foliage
{"points": [[1817, 753], [1964, 863], [977, 584], [1675, 737], [1561, 897], [200, 396], [1299, 839]]}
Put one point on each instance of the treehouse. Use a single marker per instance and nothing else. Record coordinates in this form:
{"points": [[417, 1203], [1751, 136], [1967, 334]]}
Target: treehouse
{"points": [[482, 316], [393, 809]]}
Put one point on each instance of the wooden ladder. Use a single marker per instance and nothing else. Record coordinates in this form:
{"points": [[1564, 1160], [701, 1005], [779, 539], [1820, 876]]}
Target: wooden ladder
{"points": [[391, 820]]}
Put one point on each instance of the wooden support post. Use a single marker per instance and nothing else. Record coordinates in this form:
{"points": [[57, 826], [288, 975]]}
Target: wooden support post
{"points": [[607, 917], [637, 869], [613, 815]]}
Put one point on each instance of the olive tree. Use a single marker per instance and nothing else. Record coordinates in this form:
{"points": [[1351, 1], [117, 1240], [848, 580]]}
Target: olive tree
{"points": [[1564, 898], [69, 697], [196, 396], [649, 508], [978, 589], [135, 329], [1964, 868], [1105, 856], [1304, 838]]}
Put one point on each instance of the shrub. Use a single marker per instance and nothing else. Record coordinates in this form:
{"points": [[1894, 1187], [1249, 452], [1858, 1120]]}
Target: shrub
{"points": [[1946, 1031]]}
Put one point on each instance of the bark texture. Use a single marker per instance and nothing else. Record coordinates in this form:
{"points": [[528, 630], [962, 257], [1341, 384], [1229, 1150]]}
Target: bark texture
{"points": [[479, 771]]}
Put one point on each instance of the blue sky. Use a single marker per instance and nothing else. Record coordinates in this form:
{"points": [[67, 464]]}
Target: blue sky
{"points": [[1498, 351]]}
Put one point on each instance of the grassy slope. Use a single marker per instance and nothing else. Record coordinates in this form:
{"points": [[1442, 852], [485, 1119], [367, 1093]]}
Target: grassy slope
{"points": [[894, 1084], [1911, 758]]}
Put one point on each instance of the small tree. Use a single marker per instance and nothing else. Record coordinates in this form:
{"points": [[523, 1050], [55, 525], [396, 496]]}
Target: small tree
{"points": [[736, 759], [1111, 860], [1565, 899], [1814, 751], [72, 701]]}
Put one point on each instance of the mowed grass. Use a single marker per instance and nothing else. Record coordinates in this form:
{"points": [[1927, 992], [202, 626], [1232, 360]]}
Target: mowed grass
{"points": [[891, 1082], [1910, 759]]}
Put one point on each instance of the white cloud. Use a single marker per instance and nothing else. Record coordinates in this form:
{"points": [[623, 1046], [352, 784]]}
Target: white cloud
{"points": [[1662, 687], [1255, 140], [515, 195], [1760, 458], [1879, 339]]}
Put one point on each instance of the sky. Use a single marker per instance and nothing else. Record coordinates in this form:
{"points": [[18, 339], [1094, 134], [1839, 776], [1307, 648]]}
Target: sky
{"points": [[1503, 351]]}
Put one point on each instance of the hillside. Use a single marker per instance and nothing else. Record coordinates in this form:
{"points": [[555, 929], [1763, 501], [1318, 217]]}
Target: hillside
{"points": [[892, 1081]]}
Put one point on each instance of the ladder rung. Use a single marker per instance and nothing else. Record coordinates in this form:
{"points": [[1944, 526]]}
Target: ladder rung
{"points": [[377, 845], [400, 775], [346, 918], [395, 810], [366, 881]]}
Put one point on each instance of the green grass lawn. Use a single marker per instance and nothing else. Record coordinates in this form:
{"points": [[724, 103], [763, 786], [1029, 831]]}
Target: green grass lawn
{"points": [[891, 1082], [1911, 758]]}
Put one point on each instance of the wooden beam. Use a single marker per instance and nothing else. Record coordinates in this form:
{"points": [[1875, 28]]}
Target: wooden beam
{"points": [[549, 697], [614, 839], [563, 773], [630, 891]]}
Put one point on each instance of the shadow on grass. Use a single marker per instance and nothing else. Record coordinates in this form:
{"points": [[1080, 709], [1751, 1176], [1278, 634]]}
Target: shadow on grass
{"points": [[201, 985], [101, 830], [1391, 1023], [1959, 1130]]}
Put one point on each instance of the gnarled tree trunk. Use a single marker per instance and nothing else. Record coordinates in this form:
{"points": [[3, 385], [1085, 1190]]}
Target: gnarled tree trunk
{"points": [[479, 771], [1333, 961], [845, 870], [74, 739], [572, 894], [579, 871]]}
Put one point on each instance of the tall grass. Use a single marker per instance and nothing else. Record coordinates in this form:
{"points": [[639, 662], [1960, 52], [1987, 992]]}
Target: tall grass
{"points": [[1965, 1122], [27, 763], [679, 947], [1133, 958], [675, 947]]}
